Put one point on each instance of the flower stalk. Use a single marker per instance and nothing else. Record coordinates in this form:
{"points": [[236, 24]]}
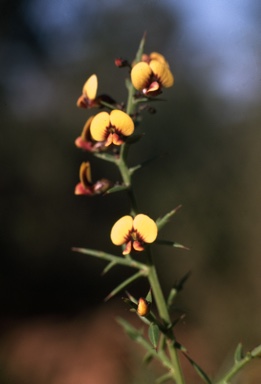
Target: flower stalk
{"points": [[136, 231]]}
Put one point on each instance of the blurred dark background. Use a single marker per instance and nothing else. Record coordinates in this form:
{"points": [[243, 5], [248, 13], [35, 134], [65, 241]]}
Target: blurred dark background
{"points": [[207, 135]]}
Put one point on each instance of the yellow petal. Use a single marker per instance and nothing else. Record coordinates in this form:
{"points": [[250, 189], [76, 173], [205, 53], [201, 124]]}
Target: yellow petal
{"points": [[122, 121], [86, 129], [85, 174], [98, 126], [121, 229], [146, 227], [159, 57], [90, 87], [140, 75], [163, 72]]}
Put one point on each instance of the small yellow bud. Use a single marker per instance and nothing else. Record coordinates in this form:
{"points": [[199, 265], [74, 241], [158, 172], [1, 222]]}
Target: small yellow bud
{"points": [[143, 307]]}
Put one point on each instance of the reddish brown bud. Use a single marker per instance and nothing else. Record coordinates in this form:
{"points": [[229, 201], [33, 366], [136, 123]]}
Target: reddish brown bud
{"points": [[120, 63]]}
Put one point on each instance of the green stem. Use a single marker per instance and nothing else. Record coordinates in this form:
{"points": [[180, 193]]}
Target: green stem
{"points": [[164, 314], [126, 177], [256, 352]]}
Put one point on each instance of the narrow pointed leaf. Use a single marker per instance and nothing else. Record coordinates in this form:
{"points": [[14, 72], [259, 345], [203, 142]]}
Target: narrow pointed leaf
{"points": [[199, 370], [131, 298], [128, 83], [143, 164], [132, 332], [109, 267], [177, 320], [180, 347], [139, 338], [171, 297], [154, 334], [178, 286], [171, 244], [161, 221], [124, 284], [140, 49], [238, 355], [149, 296], [116, 188], [127, 261], [130, 303], [256, 352], [148, 358], [163, 378]]}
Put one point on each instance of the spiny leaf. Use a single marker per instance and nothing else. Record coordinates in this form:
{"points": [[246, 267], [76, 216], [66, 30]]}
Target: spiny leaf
{"points": [[161, 221], [131, 298], [149, 296], [139, 338], [163, 378], [116, 188], [178, 286], [148, 358], [124, 284], [171, 244], [238, 355], [130, 303], [256, 352], [177, 320], [140, 49], [180, 283], [132, 332], [127, 261], [109, 267], [199, 370], [143, 164]]}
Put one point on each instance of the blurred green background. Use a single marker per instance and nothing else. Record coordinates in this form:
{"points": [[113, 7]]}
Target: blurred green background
{"points": [[207, 135]]}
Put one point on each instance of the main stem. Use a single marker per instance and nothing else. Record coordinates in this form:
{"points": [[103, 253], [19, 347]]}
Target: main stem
{"points": [[164, 314], [152, 276]]}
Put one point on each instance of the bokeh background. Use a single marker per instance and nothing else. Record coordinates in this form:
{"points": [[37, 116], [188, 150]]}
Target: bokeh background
{"points": [[208, 140]]}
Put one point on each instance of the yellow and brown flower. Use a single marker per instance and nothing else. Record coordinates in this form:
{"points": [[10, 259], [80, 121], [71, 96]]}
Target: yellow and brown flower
{"points": [[151, 74], [88, 98], [111, 128], [86, 142], [86, 186], [133, 233]]}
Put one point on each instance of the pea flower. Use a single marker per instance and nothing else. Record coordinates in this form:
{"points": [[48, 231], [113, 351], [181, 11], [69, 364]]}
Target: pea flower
{"points": [[151, 74], [154, 56], [89, 92], [85, 141], [86, 186], [134, 232], [111, 128]]}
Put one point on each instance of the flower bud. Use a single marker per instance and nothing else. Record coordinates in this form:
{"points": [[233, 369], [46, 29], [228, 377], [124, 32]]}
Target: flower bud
{"points": [[120, 63], [143, 307]]}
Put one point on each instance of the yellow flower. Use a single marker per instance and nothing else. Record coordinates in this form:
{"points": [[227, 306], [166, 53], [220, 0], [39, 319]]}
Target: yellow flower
{"points": [[134, 232], [89, 92], [85, 141], [151, 74], [86, 186], [111, 128], [154, 56]]}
